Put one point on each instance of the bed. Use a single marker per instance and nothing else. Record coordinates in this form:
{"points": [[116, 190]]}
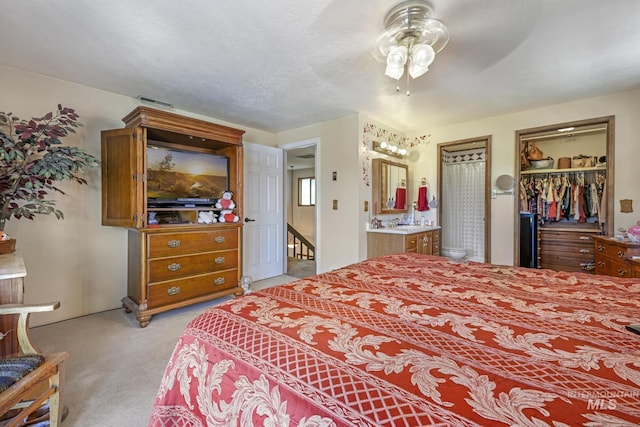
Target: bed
{"points": [[412, 340]]}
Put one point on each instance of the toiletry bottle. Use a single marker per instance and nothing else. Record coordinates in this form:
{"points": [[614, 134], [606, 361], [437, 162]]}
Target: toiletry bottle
{"points": [[422, 221]]}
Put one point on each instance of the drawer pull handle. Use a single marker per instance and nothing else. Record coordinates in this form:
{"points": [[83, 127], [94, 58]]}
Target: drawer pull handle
{"points": [[588, 266], [220, 239], [219, 281], [620, 253], [585, 238], [600, 248], [622, 272], [584, 251], [219, 260], [173, 267], [173, 243], [600, 264], [175, 290]]}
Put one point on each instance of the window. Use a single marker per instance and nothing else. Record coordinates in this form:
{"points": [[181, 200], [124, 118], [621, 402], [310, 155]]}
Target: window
{"points": [[306, 191]]}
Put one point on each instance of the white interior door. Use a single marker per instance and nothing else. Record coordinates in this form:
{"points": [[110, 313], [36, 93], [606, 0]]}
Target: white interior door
{"points": [[264, 211]]}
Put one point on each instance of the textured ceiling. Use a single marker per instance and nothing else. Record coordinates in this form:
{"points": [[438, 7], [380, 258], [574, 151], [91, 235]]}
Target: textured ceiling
{"points": [[281, 64]]}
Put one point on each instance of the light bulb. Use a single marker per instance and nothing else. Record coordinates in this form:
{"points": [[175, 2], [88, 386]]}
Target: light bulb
{"points": [[422, 55], [396, 58]]}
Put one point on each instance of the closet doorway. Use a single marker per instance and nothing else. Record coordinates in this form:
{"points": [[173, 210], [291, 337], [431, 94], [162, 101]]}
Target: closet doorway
{"points": [[564, 190], [464, 186]]}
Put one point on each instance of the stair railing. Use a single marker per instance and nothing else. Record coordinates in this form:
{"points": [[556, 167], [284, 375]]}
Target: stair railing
{"points": [[294, 238]]}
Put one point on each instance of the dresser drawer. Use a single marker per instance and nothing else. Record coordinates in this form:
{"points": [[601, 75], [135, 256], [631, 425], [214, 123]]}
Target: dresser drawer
{"points": [[182, 266], [171, 244], [579, 250], [585, 237], [610, 249], [612, 267], [173, 291], [567, 263]]}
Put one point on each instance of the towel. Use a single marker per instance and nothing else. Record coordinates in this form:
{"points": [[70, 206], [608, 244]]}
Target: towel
{"points": [[423, 203], [401, 198]]}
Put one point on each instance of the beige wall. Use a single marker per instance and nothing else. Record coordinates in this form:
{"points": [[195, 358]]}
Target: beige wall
{"points": [[365, 156], [337, 230], [76, 261], [83, 264], [626, 108]]}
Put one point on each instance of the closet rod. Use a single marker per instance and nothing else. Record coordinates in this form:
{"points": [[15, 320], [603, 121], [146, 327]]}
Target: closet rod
{"points": [[562, 135]]}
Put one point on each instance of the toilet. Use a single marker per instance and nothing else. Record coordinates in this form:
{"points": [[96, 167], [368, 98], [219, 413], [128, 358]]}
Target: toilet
{"points": [[454, 253]]}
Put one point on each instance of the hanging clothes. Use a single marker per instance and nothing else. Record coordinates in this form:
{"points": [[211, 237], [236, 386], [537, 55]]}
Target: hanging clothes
{"points": [[401, 198], [423, 202], [572, 196]]}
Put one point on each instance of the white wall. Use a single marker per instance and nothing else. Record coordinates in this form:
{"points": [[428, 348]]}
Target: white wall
{"points": [[76, 261], [626, 108]]}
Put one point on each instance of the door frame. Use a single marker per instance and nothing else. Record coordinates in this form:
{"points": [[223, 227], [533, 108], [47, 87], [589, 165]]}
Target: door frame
{"points": [[609, 121], [461, 143], [292, 146]]}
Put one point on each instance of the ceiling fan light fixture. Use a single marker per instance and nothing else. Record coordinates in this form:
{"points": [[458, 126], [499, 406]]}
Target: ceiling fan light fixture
{"points": [[412, 38]]}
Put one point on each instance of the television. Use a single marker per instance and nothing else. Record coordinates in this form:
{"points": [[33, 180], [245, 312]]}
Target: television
{"points": [[181, 178]]}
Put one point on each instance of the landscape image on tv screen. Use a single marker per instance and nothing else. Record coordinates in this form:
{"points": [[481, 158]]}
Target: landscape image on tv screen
{"points": [[173, 174]]}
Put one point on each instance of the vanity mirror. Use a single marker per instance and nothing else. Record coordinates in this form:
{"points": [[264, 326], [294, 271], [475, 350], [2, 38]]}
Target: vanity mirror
{"points": [[390, 184]]}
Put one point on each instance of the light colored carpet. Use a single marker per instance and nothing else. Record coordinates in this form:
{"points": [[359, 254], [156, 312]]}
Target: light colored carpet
{"points": [[115, 367], [300, 268]]}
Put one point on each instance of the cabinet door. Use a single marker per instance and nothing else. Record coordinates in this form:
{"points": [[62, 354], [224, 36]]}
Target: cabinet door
{"points": [[424, 243], [123, 168]]}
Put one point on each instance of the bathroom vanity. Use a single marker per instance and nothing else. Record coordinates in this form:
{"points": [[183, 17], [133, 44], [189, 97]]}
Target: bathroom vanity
{"points": [[403, 238]]}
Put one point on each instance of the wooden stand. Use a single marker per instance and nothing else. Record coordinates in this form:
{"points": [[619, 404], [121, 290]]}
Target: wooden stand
{"points": [[171, 264]]}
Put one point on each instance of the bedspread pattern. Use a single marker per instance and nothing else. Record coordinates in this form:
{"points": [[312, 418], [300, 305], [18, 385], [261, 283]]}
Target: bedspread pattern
{"points": [[412, 340]]}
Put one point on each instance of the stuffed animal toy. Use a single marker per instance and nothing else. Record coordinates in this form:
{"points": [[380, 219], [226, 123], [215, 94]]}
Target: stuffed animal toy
{"points": [[226, 201], [228, 216], [206, 217]]}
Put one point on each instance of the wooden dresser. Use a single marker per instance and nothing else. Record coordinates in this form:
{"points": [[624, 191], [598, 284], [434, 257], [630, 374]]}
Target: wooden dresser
{"points": [[387, 241], [180, 267], [569, 249], [612, 256]]}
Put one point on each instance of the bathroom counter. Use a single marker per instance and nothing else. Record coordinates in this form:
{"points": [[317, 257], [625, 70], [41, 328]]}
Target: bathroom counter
{"points": [[404, 238], [404, 229]]}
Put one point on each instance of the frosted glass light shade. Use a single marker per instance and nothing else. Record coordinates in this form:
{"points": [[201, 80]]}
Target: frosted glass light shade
{"points": [[396, 58], [422, 55]]}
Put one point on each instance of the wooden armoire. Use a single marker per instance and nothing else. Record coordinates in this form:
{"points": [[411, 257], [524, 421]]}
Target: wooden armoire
{"points": [[174, 258]]}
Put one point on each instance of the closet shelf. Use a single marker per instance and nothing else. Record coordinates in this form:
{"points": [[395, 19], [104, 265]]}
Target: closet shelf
{"points": [[548, 171]]}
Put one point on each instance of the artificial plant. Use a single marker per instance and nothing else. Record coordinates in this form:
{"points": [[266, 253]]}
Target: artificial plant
{"points": [[33, 162]]}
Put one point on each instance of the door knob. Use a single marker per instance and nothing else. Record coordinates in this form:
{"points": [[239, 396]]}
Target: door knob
{"points": [[248, 220]]}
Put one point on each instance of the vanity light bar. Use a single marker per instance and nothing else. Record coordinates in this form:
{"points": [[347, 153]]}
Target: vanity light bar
{"points": [[388, 149]]}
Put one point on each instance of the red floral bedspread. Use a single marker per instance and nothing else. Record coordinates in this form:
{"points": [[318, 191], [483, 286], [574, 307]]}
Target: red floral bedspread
{"points": [[411, 340]]}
